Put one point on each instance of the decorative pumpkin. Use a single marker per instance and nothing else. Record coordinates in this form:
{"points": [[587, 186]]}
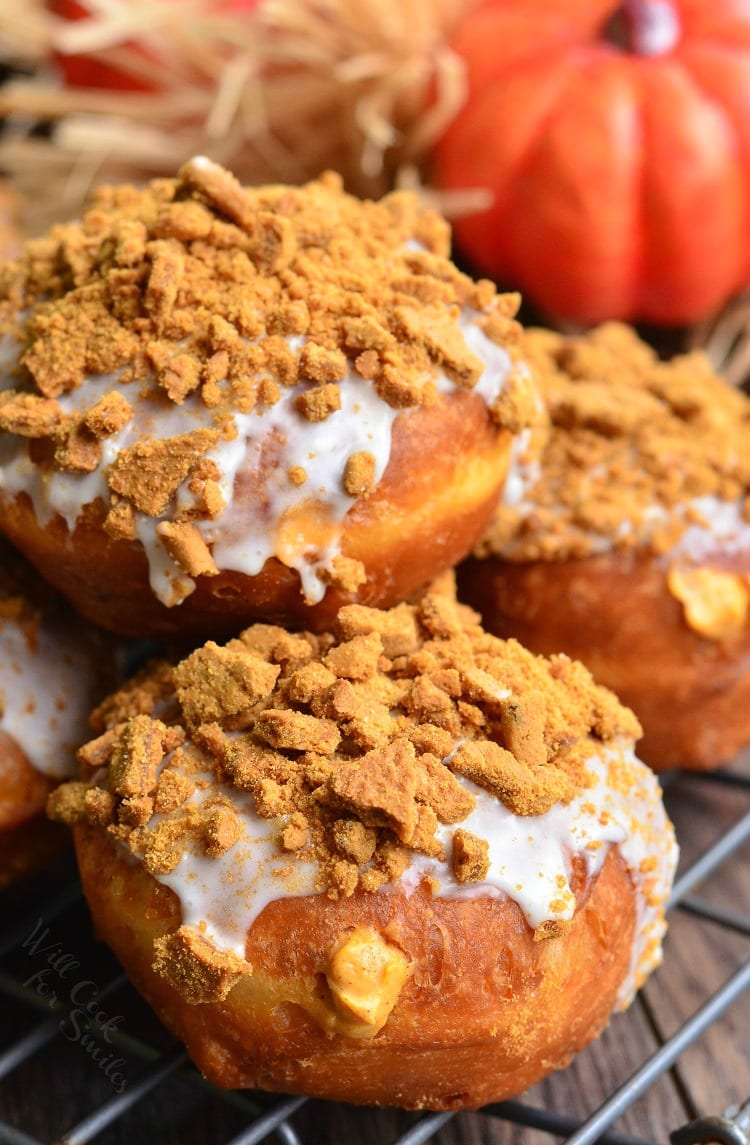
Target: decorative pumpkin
{"points": [[615, 140]]}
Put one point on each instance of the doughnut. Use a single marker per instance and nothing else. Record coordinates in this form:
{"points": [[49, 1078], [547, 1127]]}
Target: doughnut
{"points": [[223, 405], [49, 673], [625, 541], [402, 862], [10, 223]]}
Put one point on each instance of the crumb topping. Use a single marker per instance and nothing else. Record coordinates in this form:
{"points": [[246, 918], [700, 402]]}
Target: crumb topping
{"points": [[353, 744], [197, 288], [221, 367], [632, 442]]}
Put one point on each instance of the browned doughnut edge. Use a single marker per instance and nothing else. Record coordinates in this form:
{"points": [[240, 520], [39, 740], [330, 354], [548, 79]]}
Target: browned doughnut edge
{"points": [[28, 840], [448, 463], [486, 1012]]}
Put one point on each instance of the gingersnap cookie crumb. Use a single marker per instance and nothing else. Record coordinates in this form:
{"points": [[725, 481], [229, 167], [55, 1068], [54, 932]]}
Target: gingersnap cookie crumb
{"points": [[355, 743], [633, 441], [197, 286]]}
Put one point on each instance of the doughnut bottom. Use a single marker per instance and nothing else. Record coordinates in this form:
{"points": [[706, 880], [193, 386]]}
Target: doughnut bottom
{"points": [[447, 466], [485, 1012], [615, 613], [28, 840]]}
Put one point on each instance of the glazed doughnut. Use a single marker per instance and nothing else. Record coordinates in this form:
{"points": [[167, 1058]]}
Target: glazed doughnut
{"points": [[233, 404], [405, 863], [628, 546], [50, 675]]}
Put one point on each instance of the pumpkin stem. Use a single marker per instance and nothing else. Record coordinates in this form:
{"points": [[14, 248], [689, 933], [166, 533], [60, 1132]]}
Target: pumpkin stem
{"points": [[644, 27]]}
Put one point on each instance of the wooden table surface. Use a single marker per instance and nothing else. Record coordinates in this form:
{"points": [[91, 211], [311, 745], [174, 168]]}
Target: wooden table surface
{"points": [[60, 1084]]}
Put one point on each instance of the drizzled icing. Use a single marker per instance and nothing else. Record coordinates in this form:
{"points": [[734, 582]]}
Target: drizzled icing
{"points": [[726, 528], [269, 442], [47, 685], [530, 860], [711, 525]]}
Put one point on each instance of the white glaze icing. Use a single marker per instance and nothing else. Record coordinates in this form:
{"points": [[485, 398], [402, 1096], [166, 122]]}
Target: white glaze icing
{"points": [[523, 471], [496, 360], [47, 688], [530, 860], [244, 542], [273, 438], [724, 528], [530, 856], [227, 893]]}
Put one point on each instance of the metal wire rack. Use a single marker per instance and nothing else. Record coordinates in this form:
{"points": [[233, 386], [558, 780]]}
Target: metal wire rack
{"points": [[46, 1019]]}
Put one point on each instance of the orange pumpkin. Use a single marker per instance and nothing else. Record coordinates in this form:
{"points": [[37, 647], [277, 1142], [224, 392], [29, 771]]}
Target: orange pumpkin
{"points": [[615, 139]]}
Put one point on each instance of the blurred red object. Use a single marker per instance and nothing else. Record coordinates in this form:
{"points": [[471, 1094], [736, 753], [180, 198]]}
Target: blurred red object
{"points": [[615, 139], [116, 62]]}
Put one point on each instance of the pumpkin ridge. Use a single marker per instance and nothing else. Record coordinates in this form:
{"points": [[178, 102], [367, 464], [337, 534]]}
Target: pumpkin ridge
{"points": [[519, 262], [701, 281], [740, 133], [544, 124], [498, 213], [562, 174]]}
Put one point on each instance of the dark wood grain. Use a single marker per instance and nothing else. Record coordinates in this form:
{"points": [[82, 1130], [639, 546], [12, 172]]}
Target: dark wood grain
{"points": [[715, 1072]]}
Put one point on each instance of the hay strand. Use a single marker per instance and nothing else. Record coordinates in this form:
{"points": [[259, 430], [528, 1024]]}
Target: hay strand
{"points": [[277, 92]]}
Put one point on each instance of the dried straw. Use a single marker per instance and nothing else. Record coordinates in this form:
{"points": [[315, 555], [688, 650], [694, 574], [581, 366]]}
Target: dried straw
{"points": [[725, 338], [276, 93]]}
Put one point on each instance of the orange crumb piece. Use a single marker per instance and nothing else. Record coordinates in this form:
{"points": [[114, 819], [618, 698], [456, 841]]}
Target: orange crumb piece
{"points": [[29, 415], [77, 448], [193, 965], [322, 365], [186, 547], [381, 787], [66, 804], [99, 806], [221, 830], [319, 402], [108, 415], [470, 857], [214, 683], [297, 731], [356, 659], [359, 474], [136, 754], [524, 791], [296, 832], [522, 721], [119, 524], [149, 473], [172, 790], [444, 342], [397, 628]]}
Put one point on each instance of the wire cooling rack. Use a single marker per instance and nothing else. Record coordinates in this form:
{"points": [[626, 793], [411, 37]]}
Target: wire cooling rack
{"points": [[61, 987]]}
